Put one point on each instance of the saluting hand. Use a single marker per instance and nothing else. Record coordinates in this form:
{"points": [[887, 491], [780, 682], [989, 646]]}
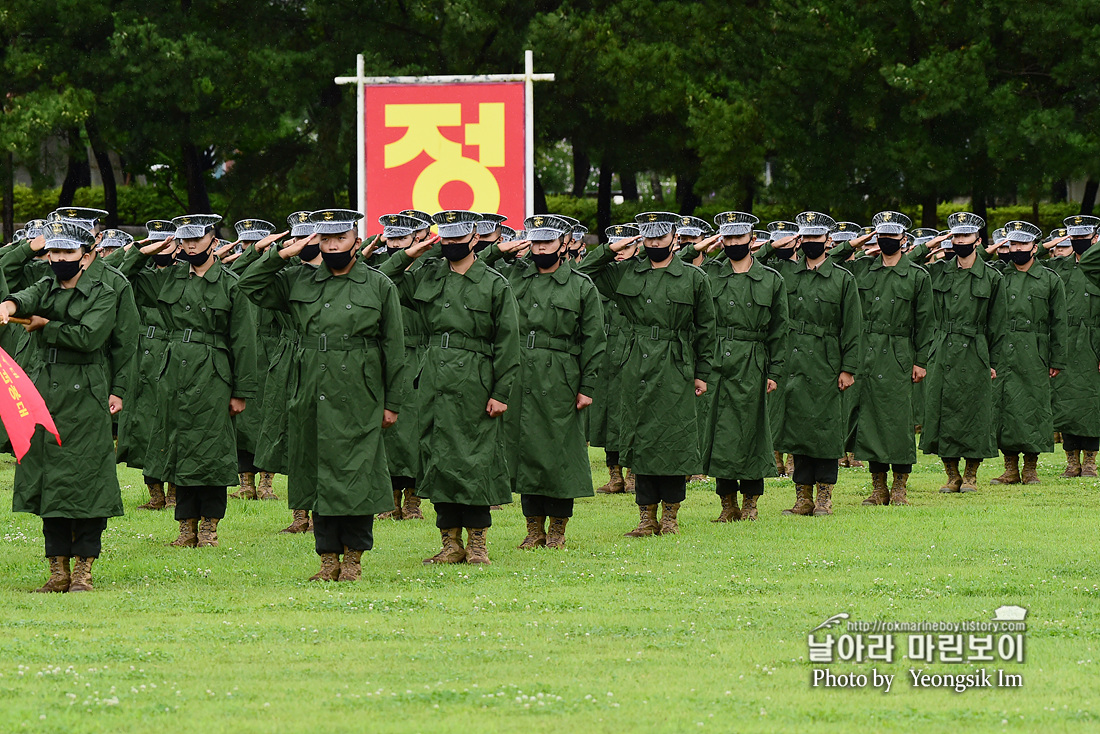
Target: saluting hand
{"points": [[266, 242], [495, 408], [38, 243], [863, 239], [388, 418], [583, 401], [225, 250], [625, 243], [707, 245], [371, 245], [1055, 242], [513, 246], [845, 381], [417, 249], [154, 247], [295, 246]]}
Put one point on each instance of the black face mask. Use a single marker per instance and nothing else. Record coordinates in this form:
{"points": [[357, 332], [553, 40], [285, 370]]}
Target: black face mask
{"points": [[1004, 256], [545, 260], [198, 259], [1080, 244], [309, 252], [575, 254], [162, 261], [455, 251], [889, 245], [813, 250], [658, 254], [949, 254], [737, 253], [481, 245], [784, 253], [65, 269], [1020, 257], [337, 260], [963, 250]]}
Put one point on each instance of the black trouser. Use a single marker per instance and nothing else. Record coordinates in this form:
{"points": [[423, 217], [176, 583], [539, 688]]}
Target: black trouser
{"points": [[332, 533], [246, 462], [454, 515], [611, 458], [74, 537], [401, 483], [201, 501], [1073, 442], [653, 489], [149, 480], [810, 470], [878, 467], [748, 487], [539, 505]]}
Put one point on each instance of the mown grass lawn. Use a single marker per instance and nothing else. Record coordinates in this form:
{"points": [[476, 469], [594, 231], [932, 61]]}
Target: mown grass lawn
{"points": [[705, 631]]}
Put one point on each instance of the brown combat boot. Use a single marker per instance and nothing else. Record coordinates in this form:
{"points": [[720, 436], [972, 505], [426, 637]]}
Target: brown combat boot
{"points": [[188, 537], [954, 479], [824, 504], [248, 487], [669, 510], [853, 462], [330, 568], [1073, 465], [452, 552], [396, 513], [790, 465], [265, 490], [300, 524], [208, 533], [615, 483], [897, 489], [804, 500], [879, 493], [350, 567], [1012, 470], [477, 550], [556, 537], [970, 476], [647, 523], [170, 496], [780, 467], [843, 462], [536, 533], [59, 576], [629, 484], [156, 497], [411, 510], [1031, 469], [748, 507], [730, 511], [82, 575], [1088, 464]]}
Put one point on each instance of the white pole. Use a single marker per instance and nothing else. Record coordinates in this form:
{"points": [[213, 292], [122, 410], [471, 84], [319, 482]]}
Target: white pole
{"points": [[529, 131], [361, 140]]}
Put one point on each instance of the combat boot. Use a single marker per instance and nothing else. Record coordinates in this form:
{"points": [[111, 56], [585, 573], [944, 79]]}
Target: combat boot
{"points": [[879, 493], [970, 476], [897, 489], [300, 524], [170, 496], [452, 551], [1031, 469], [477, 550], [780, 467], [748, 507], [1012, 470], [156, 497], [82, 575], [60, 578], [536, 533], [265, 490], [853, 462], [629, 485], [350, 567], [615, 482], [330, 568], [411, 510], [824, 504], [396, 513], [790, 465], [208, 533], [248, 487], [669, 510], [1088, 465], [188, 537], [556, 537], [730, 511], [804, 500], [1073, 465], [647, 523], [954, 480]]}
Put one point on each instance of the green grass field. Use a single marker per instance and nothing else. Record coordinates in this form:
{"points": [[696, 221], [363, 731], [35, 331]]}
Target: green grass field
{"points": [[705, 631]]}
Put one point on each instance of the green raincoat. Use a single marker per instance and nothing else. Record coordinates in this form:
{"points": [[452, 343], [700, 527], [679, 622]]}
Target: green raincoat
{"points": [[1076, 390]]}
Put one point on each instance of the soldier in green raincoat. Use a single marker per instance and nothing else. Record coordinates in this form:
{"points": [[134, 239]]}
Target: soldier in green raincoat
{"points": [[207, 374], [898, 320], [966, 348], [346, 385], [464, 383], [1034, 353], [668, 306], [848, 258], [73, 486], [822, 363], [750, 310], [1076, 389], [561, 348]]}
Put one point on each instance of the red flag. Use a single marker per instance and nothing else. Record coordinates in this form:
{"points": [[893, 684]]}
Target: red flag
{"points": [[21, 407]]}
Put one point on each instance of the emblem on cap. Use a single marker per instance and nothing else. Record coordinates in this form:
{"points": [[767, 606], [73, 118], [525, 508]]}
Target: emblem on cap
{"points": [[653, 217], [247, 224], [810, 217], [328, 216], [303, 217], [393, 218], [450, 216], [619, 229], [538, 221], [886, 217], [186, 220], [57, 227], [1077, 220]]}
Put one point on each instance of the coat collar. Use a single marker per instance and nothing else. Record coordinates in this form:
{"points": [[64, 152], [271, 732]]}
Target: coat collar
{"points": [[902, 268], [755, 271], [358, 272], [561, 275], [475, 273], [676, 267], [212, 274], [825, 269]]}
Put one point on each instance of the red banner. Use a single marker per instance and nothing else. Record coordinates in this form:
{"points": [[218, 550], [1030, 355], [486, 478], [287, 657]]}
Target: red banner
{"points": [[451, 146], [21, 407]]}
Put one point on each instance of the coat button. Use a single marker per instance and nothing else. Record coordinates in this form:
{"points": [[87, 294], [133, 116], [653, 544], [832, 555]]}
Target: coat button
{"points": [[321, 397], [187, 308], [327, 305], [649, 300], [324, 367], [446, 305], [348, 306], [183, 362], [76, 387]]}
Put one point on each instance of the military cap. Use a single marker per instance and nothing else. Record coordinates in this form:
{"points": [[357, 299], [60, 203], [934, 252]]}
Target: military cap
{"points": [[456, 222], [422, 216], [573, 221], [160, 229], [922, 235], [1081, 225], [782, 229], [692, 226], [617, 232], [299, 224], [761, 235], [845, 231], [253, 230], [396, 226], [1057, 233], [191, 226], [579, 231], [334, 221], [1019, 231], [965, 223], [997, 235], [891, 224], [489, 223], [78, 215], [507, 234], [19, 236], [521, 234], [543, 227], [68, 235], [114, 238], [735, 224], [656, 224], [813, 224]]}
